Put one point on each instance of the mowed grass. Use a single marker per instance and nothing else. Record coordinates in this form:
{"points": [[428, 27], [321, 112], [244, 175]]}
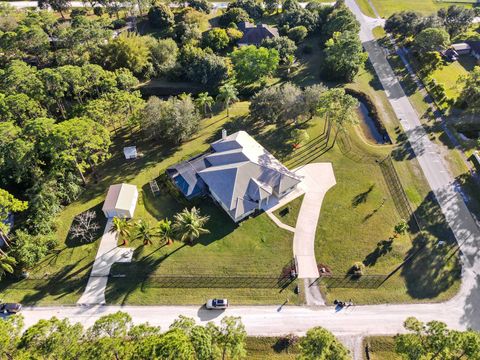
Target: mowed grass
{"points": [[73, 260], [387, 7], [229, 250], [288, 213], [380, 348], [269, 348], [451, 75]]}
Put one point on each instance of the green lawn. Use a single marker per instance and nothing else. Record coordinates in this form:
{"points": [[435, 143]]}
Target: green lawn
{"points": [[353, 221], [450, 75], [381, 348], [289, 212], [269, 348], [366, 8], [387, 7]]}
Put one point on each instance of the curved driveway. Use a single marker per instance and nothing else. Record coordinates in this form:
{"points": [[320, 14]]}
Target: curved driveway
{"points": [[462, 312]]}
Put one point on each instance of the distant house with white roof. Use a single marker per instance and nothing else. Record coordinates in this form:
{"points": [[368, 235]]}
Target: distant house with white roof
{"points": [[238, 173]]}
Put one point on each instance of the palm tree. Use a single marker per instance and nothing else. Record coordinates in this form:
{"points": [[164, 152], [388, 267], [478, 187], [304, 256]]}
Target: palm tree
{"points": [[6, 264], [205, 101], [165, 231], [189, 224], [228, 94], [122, 227], [145, 232], [290, 63]]}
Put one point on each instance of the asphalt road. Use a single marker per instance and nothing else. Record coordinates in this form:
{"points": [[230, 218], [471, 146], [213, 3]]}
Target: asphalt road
{"points": [[462, 312]]}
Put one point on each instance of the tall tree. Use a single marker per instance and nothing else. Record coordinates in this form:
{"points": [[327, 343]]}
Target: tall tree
{"points": [[10, 332], [339, 108], [53, 339], [403, 24], [456, 18], [434, 340], [80, 143], [57, 5], [344, 56], [164, 55], [8, 204], [470, 95], [7, 264], [252, 64], [204, 101], [432, 39], [129, 51], [320, 343], [189, 224], [227, 93], [230, 337]]}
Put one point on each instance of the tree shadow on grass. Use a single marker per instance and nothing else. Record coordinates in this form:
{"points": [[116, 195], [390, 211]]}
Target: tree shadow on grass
{"points": [[433, 264], [65, 282], [117, 169], [100, 219], [362, 197], [383, 248], [129, 277]]}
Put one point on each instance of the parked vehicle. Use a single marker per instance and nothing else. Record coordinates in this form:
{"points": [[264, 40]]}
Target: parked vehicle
{"points": [[216, 304], [10, 308]]}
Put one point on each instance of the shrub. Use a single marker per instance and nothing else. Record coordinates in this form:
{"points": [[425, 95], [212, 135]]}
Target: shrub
{"points": [[200, 5], [98, 10], [297, 33], [78, 12], [118, 24], [401, 227], [233, 15], [357, 269], [160, 16]]}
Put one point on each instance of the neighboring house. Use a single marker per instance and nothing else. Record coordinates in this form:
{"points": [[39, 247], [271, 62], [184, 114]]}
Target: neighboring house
{"points": [[255, 34], [238, 173], [465, 48], [121, 201], [475, 49]]}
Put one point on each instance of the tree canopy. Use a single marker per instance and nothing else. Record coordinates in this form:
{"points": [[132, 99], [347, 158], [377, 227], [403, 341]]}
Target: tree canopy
{"points": [[252, 64]]}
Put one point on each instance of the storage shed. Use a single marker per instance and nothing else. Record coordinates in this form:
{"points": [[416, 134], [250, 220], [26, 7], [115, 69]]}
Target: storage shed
{"points": [[121, 201], [130, 152]]}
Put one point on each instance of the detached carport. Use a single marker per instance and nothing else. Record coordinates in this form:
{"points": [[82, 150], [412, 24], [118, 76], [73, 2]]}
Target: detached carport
{"points": [[121, 201]]}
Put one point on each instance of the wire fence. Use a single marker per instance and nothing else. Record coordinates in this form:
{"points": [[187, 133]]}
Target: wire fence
{"points": [[398, 193], [217, 282], [351, 281]]}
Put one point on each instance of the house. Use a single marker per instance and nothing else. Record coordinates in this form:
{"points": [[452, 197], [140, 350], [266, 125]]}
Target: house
{"points": [[121, 201], [238, 173], [465, 48], [461, 48], [255, 34], [475, 49]]}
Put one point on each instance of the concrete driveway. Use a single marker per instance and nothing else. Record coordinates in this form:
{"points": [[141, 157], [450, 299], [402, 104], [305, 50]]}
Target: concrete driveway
{"points": [[108, 253]]}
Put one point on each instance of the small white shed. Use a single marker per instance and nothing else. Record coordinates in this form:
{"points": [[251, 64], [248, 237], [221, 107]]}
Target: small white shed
{"points": [[130, 152], [121, 201]]}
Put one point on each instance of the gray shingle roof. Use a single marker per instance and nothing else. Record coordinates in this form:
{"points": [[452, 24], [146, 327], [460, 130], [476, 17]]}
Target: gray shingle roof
{"points": [[242, 172], [255, 34]]}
